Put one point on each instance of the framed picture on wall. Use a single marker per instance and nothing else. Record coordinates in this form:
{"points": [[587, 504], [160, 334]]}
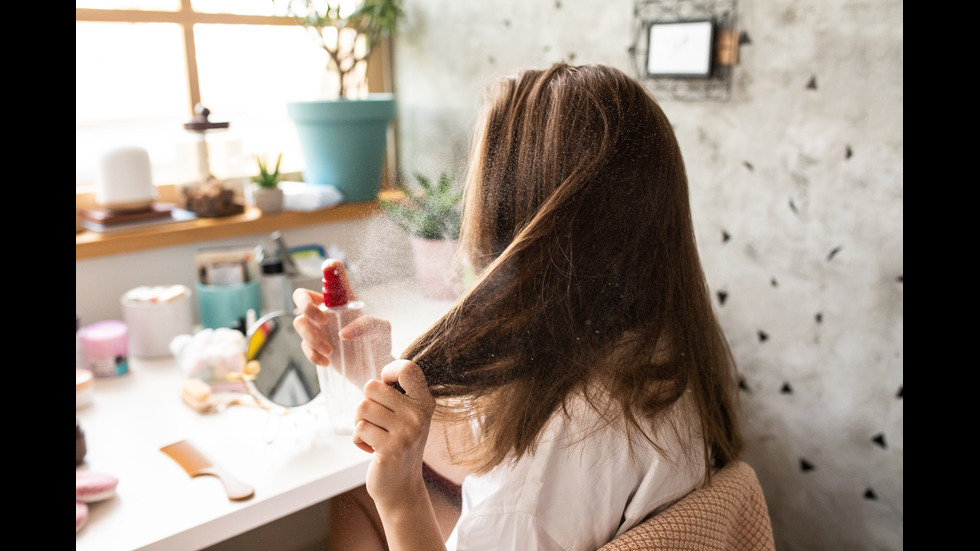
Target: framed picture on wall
{"points": [[680, 49]]}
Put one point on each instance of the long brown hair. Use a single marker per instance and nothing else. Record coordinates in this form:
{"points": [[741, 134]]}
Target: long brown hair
{"points": [[577, 221]]}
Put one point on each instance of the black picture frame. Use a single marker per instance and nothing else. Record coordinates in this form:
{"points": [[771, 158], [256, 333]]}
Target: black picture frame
{"points": [[680, 49]]}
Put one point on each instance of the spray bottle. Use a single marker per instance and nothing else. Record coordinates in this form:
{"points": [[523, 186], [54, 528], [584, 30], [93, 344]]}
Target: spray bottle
{"points": [[351, 362]]}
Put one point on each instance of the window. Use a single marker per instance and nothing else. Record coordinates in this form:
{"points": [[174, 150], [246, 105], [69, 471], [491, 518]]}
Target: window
{"points": [[141, 66]]}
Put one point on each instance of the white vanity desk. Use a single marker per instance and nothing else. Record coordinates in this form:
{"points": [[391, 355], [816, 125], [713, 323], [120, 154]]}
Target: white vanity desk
{"points": [[158, 506]]}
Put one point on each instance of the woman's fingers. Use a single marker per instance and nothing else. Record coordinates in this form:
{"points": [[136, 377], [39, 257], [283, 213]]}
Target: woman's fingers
{"points": [[363, 326], [371, 422], [413, 404], [410, 377], [394, 426], [383, 394], [371, 336], [309, 324], [308, 304], [388, 420], [315, 357], [315, 345], [365, 432], [375, 422]]}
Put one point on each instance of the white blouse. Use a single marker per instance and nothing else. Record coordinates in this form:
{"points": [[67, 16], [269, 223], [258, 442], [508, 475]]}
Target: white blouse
{"points": [[576, 493]]}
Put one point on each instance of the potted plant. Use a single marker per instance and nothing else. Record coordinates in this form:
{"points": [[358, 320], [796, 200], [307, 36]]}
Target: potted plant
{"points": [[343, 138], [267, 196], [432, 216]]}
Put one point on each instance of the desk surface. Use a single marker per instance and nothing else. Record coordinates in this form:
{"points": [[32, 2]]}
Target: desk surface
{"points": [[158, 506]]}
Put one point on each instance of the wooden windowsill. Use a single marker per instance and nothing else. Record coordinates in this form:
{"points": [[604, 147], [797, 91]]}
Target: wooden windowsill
{"points": [[90, 244]]}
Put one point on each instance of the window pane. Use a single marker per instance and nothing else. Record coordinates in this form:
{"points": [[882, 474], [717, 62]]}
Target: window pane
{"points": [[249, 73], [151, 5], [240, 7], [130, 90]]}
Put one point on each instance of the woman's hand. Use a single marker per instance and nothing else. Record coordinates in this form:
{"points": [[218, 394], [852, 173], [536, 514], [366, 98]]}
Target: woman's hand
{"points": [[314, 326], [394, 426], [319, 331]]}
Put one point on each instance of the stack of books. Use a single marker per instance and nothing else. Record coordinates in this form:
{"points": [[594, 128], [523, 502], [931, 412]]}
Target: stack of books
{"points": [[101, 219]]}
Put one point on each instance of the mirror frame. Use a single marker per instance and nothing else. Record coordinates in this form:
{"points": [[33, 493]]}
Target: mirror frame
{"points": [[251, 354]]}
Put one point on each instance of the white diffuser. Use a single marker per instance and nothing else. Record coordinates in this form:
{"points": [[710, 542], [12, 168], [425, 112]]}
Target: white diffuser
{"points": [[123, 181]]}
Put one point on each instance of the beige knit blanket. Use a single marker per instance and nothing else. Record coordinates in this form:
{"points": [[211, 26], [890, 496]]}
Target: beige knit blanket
{"points": [[728, 514]]}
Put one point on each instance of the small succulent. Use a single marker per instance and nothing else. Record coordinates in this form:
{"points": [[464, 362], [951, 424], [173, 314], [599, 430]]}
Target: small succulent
{"points": [[430, 211], [265, 178]]}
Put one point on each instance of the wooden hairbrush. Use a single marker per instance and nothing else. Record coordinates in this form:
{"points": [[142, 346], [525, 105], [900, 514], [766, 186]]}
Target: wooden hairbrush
{"points": [[195, 463]]}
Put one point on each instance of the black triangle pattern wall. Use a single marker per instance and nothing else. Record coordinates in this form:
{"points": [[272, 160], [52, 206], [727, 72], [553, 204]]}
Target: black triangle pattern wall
{"points": [[795, 406]]}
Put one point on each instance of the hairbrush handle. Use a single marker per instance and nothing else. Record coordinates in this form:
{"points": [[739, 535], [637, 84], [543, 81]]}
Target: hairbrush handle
{"points": [[235, 488], [195, 463]]}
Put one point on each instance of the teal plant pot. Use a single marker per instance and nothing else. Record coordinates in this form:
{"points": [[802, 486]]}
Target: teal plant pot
{"points": [[343, 142]]}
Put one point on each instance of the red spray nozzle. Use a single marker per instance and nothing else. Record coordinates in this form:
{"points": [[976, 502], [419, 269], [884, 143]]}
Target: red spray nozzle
{"points": [[334, 291]]}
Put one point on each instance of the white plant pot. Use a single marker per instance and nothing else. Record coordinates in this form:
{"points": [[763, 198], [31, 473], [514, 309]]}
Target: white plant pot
{"points": [[435, 270], [267, 200]]}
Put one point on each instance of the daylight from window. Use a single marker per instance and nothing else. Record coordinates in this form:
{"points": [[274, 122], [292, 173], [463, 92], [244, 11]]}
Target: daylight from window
{"points": [[132, 88]]}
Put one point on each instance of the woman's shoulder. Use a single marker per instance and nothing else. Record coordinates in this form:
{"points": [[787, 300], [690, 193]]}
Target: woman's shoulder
{"points": [[584, 477], [599, 428], [596, 415]]}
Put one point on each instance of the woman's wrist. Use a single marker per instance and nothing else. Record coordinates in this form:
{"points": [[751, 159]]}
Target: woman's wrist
{"points": [[400, 496], [410, 521]]}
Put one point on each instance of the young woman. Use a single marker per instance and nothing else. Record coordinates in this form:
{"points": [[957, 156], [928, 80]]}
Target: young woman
{"points": [[582, 382]]}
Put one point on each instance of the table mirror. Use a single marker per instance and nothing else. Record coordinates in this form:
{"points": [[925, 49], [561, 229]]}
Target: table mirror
{"points": [[286, 378]]}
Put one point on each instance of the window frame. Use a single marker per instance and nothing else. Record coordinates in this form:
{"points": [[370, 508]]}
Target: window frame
{"points": [[379, 66], [93, 244], [186, 18]]}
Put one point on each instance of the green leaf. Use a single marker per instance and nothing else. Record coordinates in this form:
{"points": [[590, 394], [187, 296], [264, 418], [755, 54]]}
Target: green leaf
{"points": [[429, 211], [371, 19], [266, 178]]}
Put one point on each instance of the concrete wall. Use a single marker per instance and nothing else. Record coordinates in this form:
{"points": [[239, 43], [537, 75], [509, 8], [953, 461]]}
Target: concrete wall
{"points": [[797, 191]]}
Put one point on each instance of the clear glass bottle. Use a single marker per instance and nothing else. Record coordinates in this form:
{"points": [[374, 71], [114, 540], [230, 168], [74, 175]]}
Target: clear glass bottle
{"points": [[351, 362]]}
